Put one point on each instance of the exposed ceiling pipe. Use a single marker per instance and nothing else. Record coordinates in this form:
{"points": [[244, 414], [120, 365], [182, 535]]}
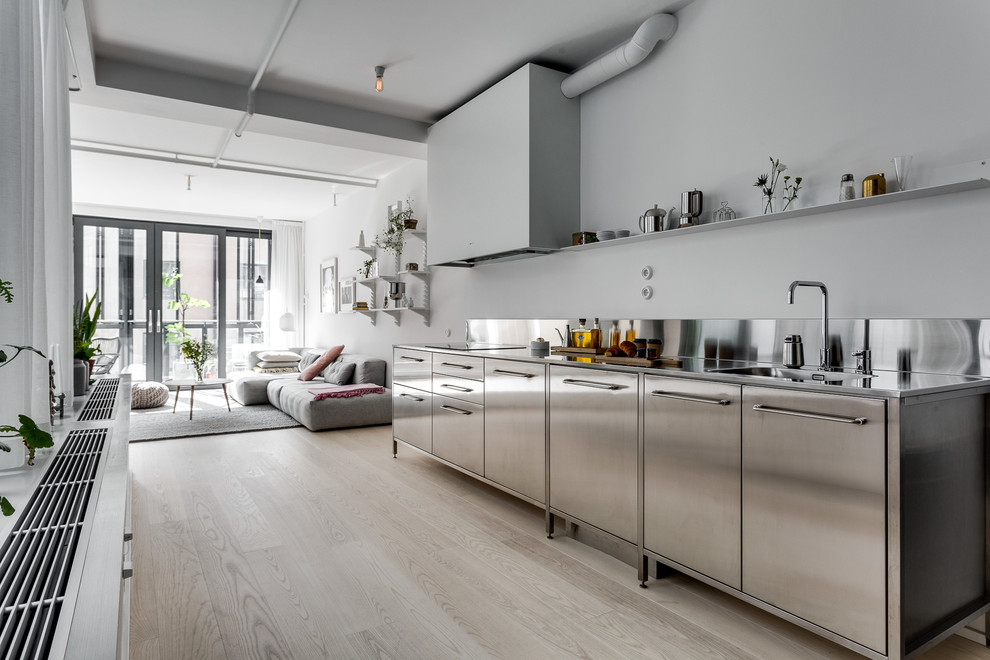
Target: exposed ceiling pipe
{"points": [[657, 28], [232, 165], [249, 111]]}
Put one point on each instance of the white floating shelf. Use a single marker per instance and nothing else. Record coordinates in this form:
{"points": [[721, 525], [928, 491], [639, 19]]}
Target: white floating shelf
{"points": [[849, 205]]}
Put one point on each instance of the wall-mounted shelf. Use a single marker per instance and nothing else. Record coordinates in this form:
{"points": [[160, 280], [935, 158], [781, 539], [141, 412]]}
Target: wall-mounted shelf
{"points": [[372, 283], [367, 249], [394, 313], [849, 205]]}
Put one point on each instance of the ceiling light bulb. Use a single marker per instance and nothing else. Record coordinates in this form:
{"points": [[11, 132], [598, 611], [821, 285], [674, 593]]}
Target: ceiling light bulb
{"points": [[379, 72]]}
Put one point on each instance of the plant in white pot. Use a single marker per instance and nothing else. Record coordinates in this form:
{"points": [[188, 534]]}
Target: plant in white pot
{"points": [[31, 436]]}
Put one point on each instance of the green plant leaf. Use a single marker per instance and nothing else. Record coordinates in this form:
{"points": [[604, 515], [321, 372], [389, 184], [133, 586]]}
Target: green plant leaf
{"points": [[7, 291], [6, 507]]}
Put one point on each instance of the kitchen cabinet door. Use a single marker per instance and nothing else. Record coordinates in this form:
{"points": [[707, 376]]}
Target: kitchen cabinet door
{"points": [[515, 426], [594, 447], [459, 433], [412, 416], [692, 472], [814, 509]]}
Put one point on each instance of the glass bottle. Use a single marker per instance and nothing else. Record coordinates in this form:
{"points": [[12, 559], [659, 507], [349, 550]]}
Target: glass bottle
{"points": [[631, 332], [581, 336], [613, 335], [847, 188], [596, 335]]}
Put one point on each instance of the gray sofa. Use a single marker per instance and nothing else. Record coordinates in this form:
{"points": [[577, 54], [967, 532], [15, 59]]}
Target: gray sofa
{"points": [[292, 396]]}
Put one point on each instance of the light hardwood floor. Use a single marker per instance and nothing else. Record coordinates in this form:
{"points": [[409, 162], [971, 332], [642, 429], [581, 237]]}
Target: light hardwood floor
{"points": [[291, 544]]}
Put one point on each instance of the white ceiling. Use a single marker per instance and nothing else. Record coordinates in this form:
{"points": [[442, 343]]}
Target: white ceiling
{"points": [[174, 77]]}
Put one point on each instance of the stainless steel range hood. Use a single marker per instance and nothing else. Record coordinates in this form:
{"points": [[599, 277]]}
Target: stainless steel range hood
{"points": [[504, 173], [509, 255]]}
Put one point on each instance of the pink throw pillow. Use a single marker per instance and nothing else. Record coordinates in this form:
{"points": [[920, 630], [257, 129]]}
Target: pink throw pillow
{"points": [[313, 370]]}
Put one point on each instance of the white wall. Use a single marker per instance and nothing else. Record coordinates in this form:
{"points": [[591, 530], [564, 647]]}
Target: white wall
{"points": [[828, 88]]}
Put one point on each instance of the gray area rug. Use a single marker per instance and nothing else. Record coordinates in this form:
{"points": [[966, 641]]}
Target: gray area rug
{"points": [[209, 417]]}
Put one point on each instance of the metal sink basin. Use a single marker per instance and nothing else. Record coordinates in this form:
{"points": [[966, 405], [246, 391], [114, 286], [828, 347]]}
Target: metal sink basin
{"points": [[794, 374]]}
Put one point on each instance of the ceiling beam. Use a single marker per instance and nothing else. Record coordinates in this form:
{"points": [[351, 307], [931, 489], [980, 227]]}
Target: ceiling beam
{"points": [[141, 79]]}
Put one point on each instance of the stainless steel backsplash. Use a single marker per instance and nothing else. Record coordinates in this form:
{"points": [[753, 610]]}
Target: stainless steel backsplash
{"points": [[945, 346]]}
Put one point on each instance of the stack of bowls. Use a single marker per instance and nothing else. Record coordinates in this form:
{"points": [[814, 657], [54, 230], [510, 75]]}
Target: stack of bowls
{"points": [[605, 235], [622, 233]]}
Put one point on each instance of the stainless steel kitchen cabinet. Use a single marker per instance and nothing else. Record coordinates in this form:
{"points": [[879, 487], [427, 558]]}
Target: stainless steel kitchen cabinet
{"points": [[459, 433], [691, 475], [412, 368], [594, 447], [412, 416], [814, 509], [412, 398], [515, 426]]}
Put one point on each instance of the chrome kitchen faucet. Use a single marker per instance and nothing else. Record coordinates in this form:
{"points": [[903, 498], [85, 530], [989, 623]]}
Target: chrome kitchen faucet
{"points": [[825, 362]]}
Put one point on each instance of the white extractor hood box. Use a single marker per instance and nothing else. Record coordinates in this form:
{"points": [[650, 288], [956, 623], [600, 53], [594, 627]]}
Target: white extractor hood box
{"points": [[503, 172]]}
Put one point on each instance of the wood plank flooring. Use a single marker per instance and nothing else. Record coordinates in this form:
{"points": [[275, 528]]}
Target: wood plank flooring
{"points": [[292, 544]]}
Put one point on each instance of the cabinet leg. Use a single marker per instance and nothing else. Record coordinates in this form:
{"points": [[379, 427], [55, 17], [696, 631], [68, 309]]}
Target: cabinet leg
{"points": [[549, 524], [395, 448], [644, 570]]}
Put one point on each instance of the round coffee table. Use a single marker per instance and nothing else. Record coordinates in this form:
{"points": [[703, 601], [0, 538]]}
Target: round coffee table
{"points": [[192, 384]]}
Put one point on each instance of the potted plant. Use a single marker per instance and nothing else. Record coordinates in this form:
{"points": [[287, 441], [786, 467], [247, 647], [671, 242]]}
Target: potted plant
{"points": [[28, 431], [197, 353], [176, 333], [84, 323], [392, 239]]}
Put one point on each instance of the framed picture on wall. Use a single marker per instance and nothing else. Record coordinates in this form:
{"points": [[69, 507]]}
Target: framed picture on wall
{"points": [[347, 294], [328, 286]]}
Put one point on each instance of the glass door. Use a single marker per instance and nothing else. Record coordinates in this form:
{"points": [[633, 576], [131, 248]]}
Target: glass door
{"points": [[189, 305], [161, 283], [112, 260]]}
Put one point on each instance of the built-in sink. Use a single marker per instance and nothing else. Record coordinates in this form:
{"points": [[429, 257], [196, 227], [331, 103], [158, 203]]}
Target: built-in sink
{"points": [[794, 374]]}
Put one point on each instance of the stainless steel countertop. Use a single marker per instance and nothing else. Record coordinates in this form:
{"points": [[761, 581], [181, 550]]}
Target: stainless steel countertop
{"points": [[885, 384]]}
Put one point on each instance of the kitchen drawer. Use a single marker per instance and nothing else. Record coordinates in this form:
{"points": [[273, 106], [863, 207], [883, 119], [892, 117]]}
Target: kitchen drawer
{"points": [[459, 433], [465, 366], [464, 389], [412, 368], [412, 417]]}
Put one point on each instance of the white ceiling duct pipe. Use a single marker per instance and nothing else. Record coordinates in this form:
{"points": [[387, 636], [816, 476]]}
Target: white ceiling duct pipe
{"points": [[657, 28]]}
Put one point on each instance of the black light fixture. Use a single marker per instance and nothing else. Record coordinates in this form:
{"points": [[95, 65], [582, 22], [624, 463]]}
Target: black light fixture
{"points": [[379, 72], [259, 283]]}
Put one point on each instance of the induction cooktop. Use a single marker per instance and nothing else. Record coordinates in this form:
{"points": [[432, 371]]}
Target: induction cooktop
{"points": [[471, 346]]}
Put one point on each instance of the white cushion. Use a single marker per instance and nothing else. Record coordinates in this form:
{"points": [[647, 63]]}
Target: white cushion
{"points": [[279, 356], [148, 394]]}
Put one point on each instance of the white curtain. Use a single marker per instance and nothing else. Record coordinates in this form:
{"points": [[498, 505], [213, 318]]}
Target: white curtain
{"points": [[285, 297], [35, 202]]}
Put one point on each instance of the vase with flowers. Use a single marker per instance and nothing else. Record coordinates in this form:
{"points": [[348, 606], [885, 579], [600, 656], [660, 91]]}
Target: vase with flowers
{"points": [[777, 192]]}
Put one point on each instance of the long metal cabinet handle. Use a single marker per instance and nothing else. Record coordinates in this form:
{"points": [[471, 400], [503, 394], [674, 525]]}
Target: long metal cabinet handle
{"points": [[591, 383], [685, 397], [458, 388], [410, 396], [409, 357], [455, 410], [459, 366], [797, 413], [517, 374]]}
